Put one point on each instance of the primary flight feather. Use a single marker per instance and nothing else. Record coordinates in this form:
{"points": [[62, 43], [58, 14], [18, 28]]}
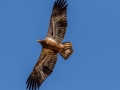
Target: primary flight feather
{"points": [[51, 46]]}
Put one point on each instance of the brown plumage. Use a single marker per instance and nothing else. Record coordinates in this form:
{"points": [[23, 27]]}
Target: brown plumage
{"points": [[51, 46]]}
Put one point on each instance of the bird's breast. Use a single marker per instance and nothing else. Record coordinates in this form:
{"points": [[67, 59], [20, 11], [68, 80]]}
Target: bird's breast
{"points": [[53, 45]]}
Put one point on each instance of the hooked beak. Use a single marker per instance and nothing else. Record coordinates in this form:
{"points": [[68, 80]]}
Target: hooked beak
{"points": [[38, 40]]}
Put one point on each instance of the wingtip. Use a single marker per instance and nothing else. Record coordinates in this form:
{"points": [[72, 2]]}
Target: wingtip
{"points": [[61, 3]]}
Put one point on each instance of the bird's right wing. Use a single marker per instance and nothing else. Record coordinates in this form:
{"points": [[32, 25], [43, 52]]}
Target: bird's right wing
{"points": [[42, 69]]}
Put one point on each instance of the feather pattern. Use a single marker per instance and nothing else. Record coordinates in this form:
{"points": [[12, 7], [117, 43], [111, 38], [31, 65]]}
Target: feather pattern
{"points": [[58, 21], [42, 69]]}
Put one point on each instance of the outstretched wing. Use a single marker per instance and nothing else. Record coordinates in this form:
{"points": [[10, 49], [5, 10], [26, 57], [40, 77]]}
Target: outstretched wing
{"points": [[42, 69], [58, 21]]}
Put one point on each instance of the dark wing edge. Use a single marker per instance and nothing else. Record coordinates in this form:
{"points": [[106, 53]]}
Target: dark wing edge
{"points": [[58, 21], [42, 69]]}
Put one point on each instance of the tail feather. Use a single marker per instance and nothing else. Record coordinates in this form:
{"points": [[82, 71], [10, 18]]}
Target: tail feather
{"points": [[67, 50]]}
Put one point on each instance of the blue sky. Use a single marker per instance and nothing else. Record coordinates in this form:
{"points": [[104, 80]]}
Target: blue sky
{"points": [[93, 28]]}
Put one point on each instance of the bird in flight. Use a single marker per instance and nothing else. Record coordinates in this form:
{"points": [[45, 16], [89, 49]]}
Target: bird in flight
{"points": [[51, 46]]}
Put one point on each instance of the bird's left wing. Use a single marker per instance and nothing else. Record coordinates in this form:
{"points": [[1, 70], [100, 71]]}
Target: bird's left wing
{"points": [[58, 21], [42, 69]]}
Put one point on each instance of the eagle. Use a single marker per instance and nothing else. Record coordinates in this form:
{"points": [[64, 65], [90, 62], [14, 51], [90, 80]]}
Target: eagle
{"points": [[51, 46]]}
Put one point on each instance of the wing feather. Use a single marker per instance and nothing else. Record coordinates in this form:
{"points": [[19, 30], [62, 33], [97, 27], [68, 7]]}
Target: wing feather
{"points": [[58, 21], [42, 69]]}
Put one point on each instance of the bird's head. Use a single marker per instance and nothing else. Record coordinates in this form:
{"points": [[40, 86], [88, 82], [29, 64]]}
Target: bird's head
{"points": [[42, 42]]}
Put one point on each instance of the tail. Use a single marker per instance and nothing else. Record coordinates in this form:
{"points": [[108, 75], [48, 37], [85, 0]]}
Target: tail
{"points": [[67, 50]]}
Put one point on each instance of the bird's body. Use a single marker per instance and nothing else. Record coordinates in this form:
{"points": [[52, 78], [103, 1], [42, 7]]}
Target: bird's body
{"points": [[51, 46]]}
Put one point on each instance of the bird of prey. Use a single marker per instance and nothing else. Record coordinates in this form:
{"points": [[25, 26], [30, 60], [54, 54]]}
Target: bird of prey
{"points": [[51, 46]]}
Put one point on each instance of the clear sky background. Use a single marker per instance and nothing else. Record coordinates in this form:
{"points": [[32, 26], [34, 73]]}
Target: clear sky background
{"points": [[93, 28]]}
